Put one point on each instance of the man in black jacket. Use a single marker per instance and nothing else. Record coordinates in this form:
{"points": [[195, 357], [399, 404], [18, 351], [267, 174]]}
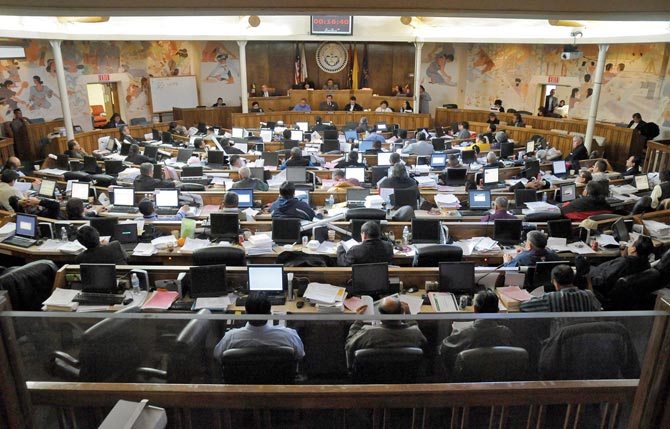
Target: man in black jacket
{"points": [[96, 253], [579, 152], [146, 182], [372, 249]]}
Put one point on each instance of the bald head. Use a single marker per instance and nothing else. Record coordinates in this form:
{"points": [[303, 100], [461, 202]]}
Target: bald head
{"points": [[390, 305]]}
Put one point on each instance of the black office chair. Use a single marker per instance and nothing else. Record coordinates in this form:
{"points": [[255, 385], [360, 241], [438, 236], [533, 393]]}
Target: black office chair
{"points": [[642, 205], [191, 187], [589, 351], [543, 217], [80, 176], [230, 256], [634, 292], [138, 121], [259, 365], [29, 285], [110, 351], [430, 255], [103, 180], [365, 213], [187, 358], [490, 364], [395, 365]]}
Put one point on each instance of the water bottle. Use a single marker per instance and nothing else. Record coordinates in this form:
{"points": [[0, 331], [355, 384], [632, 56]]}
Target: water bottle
{"points": [[544, 197], [330, 201], [405, 235], [58, 195], [63, 234], [392, 237], [135, 283]]}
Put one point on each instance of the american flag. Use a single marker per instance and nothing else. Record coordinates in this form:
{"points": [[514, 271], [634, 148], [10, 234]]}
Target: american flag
{"points": [[296, 66]]}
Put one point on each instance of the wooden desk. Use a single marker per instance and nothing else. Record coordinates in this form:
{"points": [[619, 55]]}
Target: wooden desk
{"points": [[408, 121]]}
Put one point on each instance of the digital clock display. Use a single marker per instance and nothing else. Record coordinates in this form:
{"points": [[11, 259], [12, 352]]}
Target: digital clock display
{"points": [[332, 25]]}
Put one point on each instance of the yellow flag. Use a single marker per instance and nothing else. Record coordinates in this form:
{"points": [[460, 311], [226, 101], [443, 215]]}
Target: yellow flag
{"points": [[354, 73]]}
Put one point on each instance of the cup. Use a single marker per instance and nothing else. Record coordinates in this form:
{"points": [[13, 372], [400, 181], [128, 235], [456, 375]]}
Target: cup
{"points": [[331, 235], [175, 233], [305, 240], [247, 235]]}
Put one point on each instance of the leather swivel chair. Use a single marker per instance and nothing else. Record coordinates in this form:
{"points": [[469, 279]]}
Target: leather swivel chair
{"points": [[103, 180], [192, 187], [634, 292], [230, 256], [29, 285], [490, 364], [365, 213], [642, 205], [381, 365], [542, 217], [430, 255], [259, 365], [80, 176]]}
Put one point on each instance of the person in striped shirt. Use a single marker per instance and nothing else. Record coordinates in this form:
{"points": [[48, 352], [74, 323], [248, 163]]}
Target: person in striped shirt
{"points": [[567, 298]]}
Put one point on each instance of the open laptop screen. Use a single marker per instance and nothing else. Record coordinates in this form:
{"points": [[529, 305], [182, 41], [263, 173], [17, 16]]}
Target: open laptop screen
{"points": [[245, 197], [559, 167], [438, 160], [491, 176], [384, 158], [123, 197], [479, 199], [80, 190], [167, 198], [296, 135], [357, 173], [642, 182], [302, 126], [457, 277], [296, 174], [266, 278], [568, 192], [25, 225], [225, 225], [99, 278], [47, 188]]}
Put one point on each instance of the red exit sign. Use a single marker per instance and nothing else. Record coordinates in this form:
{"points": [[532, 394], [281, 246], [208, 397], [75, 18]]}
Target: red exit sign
{"points": [[103, 77], [552, 79]]}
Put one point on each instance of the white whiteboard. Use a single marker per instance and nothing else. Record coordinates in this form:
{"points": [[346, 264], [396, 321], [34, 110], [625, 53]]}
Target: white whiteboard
{"points": [[173, 91]]}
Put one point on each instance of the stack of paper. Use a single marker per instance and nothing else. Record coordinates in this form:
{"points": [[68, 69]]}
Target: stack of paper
{"points": [[160, 300], [478, 244], [374, 202], [349, 244], [193, 244], [61, 300], [144, 249], [513, 296], [7, 229], [322, 293], [426, 181], [623, 189], [657, 230], [216, 303], [259, 244], [163, 242], [128, 175], [447, 201], [540, 206], [443, 302], [72, 247]]}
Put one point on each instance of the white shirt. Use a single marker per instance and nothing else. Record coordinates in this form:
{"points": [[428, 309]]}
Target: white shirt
{"points": [[267, 335], [7, 192]]}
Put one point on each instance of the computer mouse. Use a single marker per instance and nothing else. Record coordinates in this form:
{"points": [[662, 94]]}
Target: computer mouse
{"points": [[127, 301], [39, 242], [300, 304]]}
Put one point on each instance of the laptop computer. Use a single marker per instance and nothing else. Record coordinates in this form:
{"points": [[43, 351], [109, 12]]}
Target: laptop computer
{"points": [[296, 174], [384, 158], [642, 182], [166, 201], [191, 171], [125, 148], [224, 226], [113, 167], [531, 169], [123, 200], [479, 200], [104, 225], [377, 173], [426, 231], [62, 162], [183, 155], [370, 279], [521, 197], [492, 178], [350, 135], [365, 145], [561, 228], [405, 197], [26, 231], [302, 126], [438, 144], [357, 173], [238, 133], [245, 197], [266, 135], [620, 230], [126, 235], [296, 135], [91, 165], [506, 150], [257, 173], [568, 192], [216, 159], [507, 231], [455, 176], [559, 168], [267, 280], [151, 151], [208, 281], [356, 197], [80, 190], [47, 188], [285, 231], [330, 145], [530, 147], [290, 144], [438, 161], [457, 278], [270, 159]]}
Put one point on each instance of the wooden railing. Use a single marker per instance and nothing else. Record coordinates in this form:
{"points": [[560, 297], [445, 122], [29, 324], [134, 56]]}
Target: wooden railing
{"points": [[408, 121], [431, 405], [6, 149], [215, 116], [522, 135], [657, 158]]}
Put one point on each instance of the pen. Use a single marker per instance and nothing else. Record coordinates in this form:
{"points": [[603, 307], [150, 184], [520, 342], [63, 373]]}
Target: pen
{"points": [[437, 305]]}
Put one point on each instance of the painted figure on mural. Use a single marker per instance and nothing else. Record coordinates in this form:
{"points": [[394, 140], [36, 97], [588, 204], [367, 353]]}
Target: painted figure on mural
{"points": [[39, 93], [221, 72], [9, 98], [436, 70]]}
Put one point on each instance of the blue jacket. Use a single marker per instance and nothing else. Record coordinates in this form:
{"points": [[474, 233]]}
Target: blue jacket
{"points": [[528, 258], [293, 208]]}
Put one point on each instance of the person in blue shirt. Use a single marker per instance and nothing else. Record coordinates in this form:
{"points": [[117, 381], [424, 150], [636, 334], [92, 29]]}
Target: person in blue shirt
{"points": [[535, 251], [288, 206], [302, 106], [375, 137], [149, 212]]}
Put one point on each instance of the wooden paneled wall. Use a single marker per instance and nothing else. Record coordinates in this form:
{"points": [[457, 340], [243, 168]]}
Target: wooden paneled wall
{"points": [[220, 116], [389, 64], [36, 132]]}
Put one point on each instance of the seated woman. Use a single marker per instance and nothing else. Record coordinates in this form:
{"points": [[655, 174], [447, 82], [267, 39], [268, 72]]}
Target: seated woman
{"points": [[74, 210], [97, 253], [406, 107]]}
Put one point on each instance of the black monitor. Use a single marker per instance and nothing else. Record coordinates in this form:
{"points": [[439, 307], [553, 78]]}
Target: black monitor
{"points": [[330, 145], [330, 134], [455, 176], [290, 144], [370, 279], [426, 231], [381, 126], [531, 169], [357, 224], [560, 228], [468, 156], [266, 279], [62, 162], [125, 233], [257, 173], [104, 225], [523, 196], [113, 167], [285, 230], [506, 150], [405, 197], [191, 171], [270, 159], [158, 171], [457, 277], [225, 226], [215, 157], [507, 231], [438, 144], [99, 278], [377, 173], [151, 151], [542, 273], [125, 148], [620, 231], [90, 165], [245, 197], [183, 155], [208, 281]]}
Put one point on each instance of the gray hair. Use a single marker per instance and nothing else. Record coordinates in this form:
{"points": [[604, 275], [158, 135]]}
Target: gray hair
{"points": [[579, 137], [146, 169], [502, 203], [296, 152], [398, 170], [244, 172], [537, 239], [491, 157], [501, 137]]}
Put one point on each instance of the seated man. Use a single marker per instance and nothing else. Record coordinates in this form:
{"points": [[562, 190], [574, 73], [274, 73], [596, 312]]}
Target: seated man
{"points": [[260, 333], [579, 153], [633, 259], [331, 85], [535, 251], [353, 106], [599, 171], [463, 131], [372, 249], [124, 130], [399, 178], [662, 190], [585, 177], [492, 160], [591, 203], [490, 135], [421, 147], [230, 149], [453, 161], [248, 182], [136, 158], [482, 333], [296, 159], [329, 105], [501, 204], [391, 333], [302, 106], [145, 182], [376, 147], [97, 253], [351, 161], [149, 212], [230, 204], [13, 163], [632, 166], [74, 150], [29, 205], [236, 162], [341, 183], [567, 298], [256, 108], [289, 206], [377, 138], [74, 210]]}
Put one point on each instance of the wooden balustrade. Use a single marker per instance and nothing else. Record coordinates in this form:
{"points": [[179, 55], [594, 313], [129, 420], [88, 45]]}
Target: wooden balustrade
{"points": [[408, 121], [522, 135], [657, 158], [6, 149]]}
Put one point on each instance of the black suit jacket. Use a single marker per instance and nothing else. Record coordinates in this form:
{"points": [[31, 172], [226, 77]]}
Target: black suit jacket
{"points": [[324, 106], [578, 154], [107, 254], [368, 252], [145, 183], [357, 108]]}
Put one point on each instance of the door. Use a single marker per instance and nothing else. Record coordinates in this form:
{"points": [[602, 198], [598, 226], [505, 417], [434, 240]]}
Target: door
{"points": [[105, 94]]}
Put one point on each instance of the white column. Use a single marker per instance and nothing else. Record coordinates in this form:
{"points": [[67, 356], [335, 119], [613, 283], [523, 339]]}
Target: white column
{"points": [[62, 88], [243, 75], [595, 97], [417, 74]]}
